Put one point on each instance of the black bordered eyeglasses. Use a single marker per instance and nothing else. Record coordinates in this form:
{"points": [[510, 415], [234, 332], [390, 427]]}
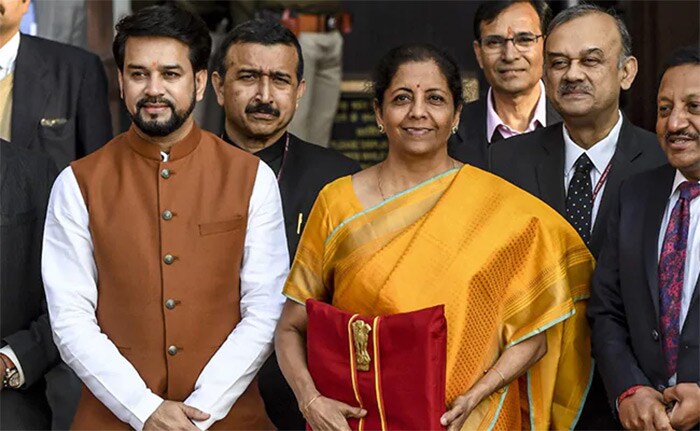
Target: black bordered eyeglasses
{"points": [[521, 41]]}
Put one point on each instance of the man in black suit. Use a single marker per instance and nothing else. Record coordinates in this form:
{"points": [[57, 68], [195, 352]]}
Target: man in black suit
{"points": [[53, 96], [27, 351], [257, 77], [645, 305], [577, 167], [508, 41]]}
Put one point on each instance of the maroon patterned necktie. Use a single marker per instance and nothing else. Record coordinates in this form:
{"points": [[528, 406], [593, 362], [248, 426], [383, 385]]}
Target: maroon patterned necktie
{"points": [[671, 272]]}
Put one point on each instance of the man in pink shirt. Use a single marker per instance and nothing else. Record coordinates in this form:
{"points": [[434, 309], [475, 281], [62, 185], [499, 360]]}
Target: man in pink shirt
{"points": [[509, 40]]}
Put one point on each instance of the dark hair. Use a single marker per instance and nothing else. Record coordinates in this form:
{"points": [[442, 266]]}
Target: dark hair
{"points": [[685, 55], [489, 10], [392, 60], [262, 31], [586, 9], [168, 20]]}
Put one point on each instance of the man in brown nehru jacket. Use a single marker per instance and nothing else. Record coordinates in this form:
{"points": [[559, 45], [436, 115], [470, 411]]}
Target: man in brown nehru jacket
{"points": [[164, 251]]}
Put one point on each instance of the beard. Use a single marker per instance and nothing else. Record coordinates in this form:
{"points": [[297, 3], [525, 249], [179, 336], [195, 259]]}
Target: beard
{"points": [[153, 127]]}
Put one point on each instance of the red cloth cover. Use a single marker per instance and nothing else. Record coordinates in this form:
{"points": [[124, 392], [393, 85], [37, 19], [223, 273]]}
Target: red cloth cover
{"points": [[404, 388]]}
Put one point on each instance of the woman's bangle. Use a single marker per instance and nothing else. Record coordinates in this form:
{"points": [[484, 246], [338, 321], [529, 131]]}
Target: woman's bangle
{"points": [[306, 407], [503, 378]]}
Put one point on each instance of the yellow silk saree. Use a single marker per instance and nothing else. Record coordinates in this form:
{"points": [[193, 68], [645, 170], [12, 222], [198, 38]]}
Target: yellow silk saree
{"points": [[504, 264]]}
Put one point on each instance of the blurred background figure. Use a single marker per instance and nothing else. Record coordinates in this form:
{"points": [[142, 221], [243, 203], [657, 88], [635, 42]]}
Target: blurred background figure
{"points": [[60, 20]]}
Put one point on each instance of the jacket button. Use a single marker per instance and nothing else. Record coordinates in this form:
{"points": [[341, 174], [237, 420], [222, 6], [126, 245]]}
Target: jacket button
{"points": [[168, 259], [172, 350], [660, 388], [655, 335], [167, 215], [170, 304], [165, 174]]}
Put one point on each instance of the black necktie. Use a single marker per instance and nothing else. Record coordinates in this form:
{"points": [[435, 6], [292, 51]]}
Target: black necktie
{"points": [[579, 199]]}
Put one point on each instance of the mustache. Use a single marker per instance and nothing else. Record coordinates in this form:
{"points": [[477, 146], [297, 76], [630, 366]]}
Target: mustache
{"points": [[681, 134], [154, 100], [262, 108], [570, 87]]}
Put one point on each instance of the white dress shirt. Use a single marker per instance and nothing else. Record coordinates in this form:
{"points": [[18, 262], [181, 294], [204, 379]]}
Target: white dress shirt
{"points": [[601, 153], [8, 56], [70, 280], [494, 121]]}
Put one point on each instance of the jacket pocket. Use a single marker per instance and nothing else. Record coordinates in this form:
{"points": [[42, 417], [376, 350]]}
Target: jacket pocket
{"points": [[220, 226]]}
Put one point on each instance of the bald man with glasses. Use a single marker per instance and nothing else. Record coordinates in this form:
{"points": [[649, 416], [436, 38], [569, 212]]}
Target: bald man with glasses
{"points": [[508, 44]]}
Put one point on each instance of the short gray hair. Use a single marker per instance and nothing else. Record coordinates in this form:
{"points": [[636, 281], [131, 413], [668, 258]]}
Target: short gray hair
{"points": [[584, 9]]}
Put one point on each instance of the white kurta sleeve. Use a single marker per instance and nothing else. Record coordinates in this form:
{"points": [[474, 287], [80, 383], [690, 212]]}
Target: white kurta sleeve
{"points": [[263, 273], [70, 280]]}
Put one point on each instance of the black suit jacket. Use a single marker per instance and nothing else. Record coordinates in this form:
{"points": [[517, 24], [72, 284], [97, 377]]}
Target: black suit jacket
{"points": [[535, 163], [470, 144], [59, 98], [624, 306], [26, 178], [306, 169]]}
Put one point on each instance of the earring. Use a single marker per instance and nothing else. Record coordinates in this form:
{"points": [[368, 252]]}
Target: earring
{"points": [[454, 130], [381, 128]]}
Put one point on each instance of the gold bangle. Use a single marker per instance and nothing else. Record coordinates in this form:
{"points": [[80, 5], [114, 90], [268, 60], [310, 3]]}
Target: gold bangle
{"points": [[503, 378], [306, 407]]}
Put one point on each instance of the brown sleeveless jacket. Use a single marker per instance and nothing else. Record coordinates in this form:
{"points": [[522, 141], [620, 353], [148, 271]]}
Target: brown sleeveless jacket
{"points": [[168, 242]]}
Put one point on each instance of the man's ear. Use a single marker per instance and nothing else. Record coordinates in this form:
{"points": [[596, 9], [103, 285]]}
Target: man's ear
{"points": [[217, 81], [477, 53], [200, 84], [120, 79], [628, 72], [301, 90]]}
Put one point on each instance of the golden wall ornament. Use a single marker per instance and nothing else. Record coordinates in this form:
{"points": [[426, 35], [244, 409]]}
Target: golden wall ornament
{"points": [[360, 331]]}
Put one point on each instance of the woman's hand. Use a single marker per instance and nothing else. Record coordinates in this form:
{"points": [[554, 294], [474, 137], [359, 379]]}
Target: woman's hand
{"points": [[459, 411], [327, 414]]}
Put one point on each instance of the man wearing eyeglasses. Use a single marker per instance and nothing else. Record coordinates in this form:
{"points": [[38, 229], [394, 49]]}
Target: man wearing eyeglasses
{"points": [[508, 46], [577, 166]]}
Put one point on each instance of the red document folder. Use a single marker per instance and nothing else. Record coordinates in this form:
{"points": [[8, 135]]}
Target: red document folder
{"points": [[392, 366]]}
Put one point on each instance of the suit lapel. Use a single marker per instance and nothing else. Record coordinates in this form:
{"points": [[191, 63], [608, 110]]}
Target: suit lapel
{"points": [[30, 93], [290, 178], [654, 212], [550, 170], [627, 150], [694, 303]]}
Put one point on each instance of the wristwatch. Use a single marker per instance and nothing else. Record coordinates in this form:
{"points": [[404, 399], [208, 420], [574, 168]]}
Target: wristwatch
{"points": [[11, 376]]}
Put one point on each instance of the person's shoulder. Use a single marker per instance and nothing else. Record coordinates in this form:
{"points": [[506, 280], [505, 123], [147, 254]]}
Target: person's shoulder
{"points": [[226, 151], [644, 182], [526, 144], [65, 54], [501, 190], [318, 154]]}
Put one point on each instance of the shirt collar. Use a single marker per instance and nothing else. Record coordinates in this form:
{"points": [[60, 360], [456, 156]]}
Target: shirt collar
{"points": [[152, 151], [600, 153], [494, 121], [8, 56], [677, 181]]}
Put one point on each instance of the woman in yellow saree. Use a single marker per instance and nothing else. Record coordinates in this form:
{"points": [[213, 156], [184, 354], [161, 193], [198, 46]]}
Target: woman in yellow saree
{"points": [[421, 230]]}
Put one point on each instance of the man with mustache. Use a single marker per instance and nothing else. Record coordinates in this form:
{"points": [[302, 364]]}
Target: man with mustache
{"points": [[577, 166], [645, 301], [258, 81], [164, 251], [508, 44]]}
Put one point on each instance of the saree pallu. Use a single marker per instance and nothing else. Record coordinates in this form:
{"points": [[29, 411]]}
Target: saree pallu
{"points": [[504, 265]]}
